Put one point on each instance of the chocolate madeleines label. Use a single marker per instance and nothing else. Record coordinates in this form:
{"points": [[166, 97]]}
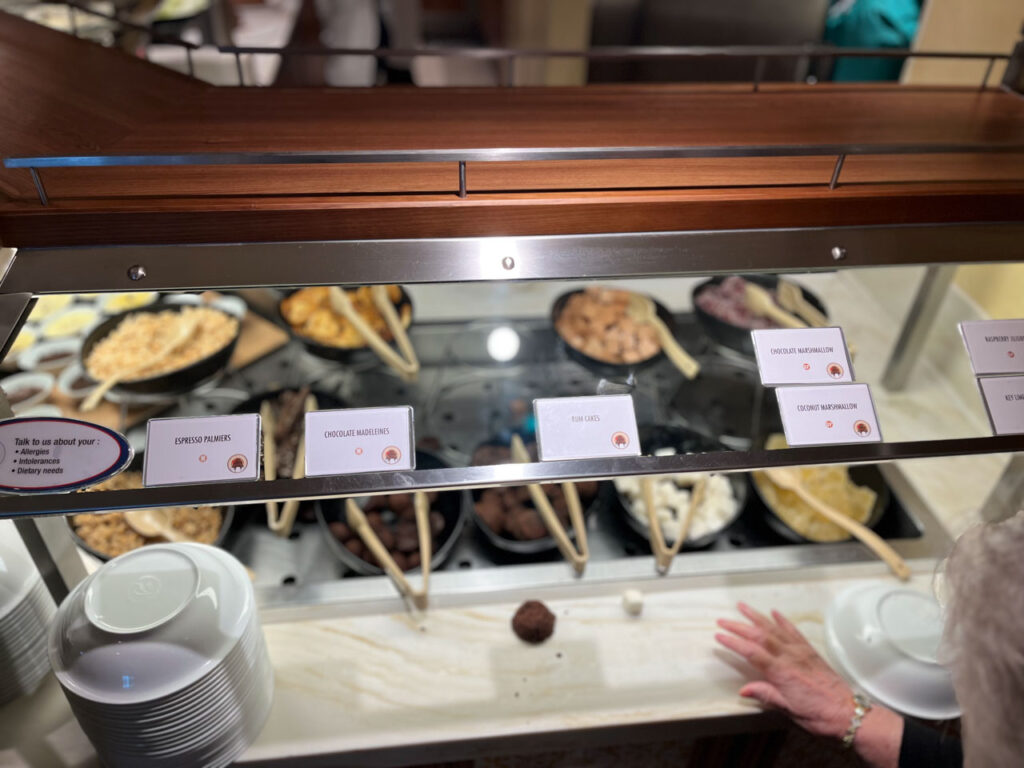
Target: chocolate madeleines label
{"points": [[354, 440]]}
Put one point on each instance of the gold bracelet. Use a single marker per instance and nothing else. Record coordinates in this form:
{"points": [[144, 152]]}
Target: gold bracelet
{"points": [[861, 706]]}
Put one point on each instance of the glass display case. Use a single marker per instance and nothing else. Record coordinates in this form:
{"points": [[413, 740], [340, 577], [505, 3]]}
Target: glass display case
{"points": [[510, 322]]}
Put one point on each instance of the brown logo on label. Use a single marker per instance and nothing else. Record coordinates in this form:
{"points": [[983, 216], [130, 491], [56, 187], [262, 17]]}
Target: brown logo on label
{"points": [[391, 455], [835, 370], [620, 440], [861, 428], [238, 463]]}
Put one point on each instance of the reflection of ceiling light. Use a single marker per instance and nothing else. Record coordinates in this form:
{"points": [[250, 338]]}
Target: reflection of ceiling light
{"points": [[503, 344]]}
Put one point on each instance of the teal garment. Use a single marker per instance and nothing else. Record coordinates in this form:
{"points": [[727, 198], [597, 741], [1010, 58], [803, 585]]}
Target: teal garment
{"points": [[871, 24]]}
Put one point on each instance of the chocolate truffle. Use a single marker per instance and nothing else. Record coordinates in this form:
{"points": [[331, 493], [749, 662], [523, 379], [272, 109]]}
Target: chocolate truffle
{"points": [[533, 622]]}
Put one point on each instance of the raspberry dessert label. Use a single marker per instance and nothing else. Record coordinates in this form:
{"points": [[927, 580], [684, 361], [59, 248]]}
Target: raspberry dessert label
{"points": [[211, 449], [354, 440], [1004, 401], [994, 346], [599, 426], [828, 415], [802, 356]]}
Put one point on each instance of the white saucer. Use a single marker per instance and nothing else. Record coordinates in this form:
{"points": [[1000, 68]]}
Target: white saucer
{"points": [[885, 640]]}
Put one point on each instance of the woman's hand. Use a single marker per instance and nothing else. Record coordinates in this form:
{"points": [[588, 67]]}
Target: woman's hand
{"points": [[796, 679]]}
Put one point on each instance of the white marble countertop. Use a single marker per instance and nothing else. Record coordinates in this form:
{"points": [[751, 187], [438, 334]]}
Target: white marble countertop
{"points": [[391, 681]]}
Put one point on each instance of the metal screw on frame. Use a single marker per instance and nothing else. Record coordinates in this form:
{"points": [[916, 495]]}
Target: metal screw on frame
{"points": [[40, 190], [508, 263], [838, 253], [758, 73], [988, 71], [136, 272], [834, 182]]}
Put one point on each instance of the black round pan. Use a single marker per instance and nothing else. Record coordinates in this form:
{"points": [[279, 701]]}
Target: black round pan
{"points": [[600, 367], [733, 336], [181, 380], [449, 503], [341, 354], [527, 549], [866, 474], [227, 518], [683, 440]]}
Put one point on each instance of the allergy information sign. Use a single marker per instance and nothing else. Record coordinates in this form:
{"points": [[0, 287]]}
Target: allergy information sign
{"points": [[994, 346], [356, 440], [210, 449], [599, 426], [802, 356], [47, 455], [827, 415], [1004, 400]]}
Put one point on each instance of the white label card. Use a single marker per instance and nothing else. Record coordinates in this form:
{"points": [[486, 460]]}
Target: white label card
{"points": [[1004, 400], [210, 449], [354, 440], [828, 415], [802, 356], [599, 426], [994, 346]]}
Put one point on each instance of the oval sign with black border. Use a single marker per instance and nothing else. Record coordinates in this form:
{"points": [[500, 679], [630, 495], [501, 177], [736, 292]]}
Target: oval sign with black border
{"points": [[52, 455]]}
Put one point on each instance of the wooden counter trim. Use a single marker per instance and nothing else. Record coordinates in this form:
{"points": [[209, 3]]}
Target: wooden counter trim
{"points": [[360, 217]]}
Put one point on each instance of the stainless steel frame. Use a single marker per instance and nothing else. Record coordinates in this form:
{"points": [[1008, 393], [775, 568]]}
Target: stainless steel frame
{"points": [[549, 580], [498, 155], [504, 474], [557, 257], [919, 321]]}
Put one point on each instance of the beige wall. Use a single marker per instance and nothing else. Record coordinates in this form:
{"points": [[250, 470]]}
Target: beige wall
{"points": [[973, 25]]}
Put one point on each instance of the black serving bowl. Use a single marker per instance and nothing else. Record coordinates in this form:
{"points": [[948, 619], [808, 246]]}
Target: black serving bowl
{"points": [[683, 440], [866, 475], [601, 367], [449, 503], [528, 549], [227, 518], [342, 354], [733, 336], [726, 401], [174, 382]]}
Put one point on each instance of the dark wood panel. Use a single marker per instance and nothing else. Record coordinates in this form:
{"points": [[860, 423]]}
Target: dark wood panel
{"points": [[252, 219]]}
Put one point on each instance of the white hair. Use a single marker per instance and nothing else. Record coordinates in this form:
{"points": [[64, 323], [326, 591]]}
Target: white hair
{"points": [[984, 640]]}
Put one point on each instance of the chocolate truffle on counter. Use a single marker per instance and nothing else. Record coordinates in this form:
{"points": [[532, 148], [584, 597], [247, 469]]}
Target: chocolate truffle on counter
{"points": [[533, 622]]}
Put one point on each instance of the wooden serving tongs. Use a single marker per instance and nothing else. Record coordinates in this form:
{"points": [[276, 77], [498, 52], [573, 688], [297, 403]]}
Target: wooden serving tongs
{"points": [[406, 364], [789, 479], [663, 555], [760, 302], [282, 522], [642, 310], [578, 557], [791, 298], [357, 522]]}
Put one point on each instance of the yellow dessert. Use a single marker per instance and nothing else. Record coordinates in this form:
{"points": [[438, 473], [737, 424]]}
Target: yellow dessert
{"points": [[831, 484]]}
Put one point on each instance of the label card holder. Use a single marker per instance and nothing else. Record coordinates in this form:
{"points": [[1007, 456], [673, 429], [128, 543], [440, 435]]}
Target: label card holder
{"points": [[356, 440], [209, 449], [1004, 403], [828, 415], [52, 455], [994, 346], [591, 427], [802, 356]]}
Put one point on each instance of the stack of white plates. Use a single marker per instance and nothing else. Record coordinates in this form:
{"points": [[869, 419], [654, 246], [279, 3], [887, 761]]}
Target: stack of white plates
{"points": [[26, 610], [162, 658]]}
